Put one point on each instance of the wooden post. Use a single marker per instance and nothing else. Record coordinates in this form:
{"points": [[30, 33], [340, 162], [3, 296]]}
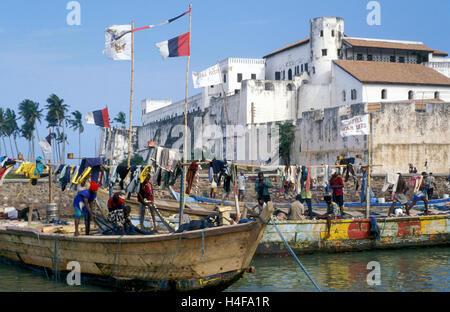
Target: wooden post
{"points": [[368, 169], [131, 94], [50, 182], [183, 182], [30, 215], [236, 193]]}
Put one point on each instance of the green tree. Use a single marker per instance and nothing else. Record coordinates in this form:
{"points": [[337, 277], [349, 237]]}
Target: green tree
{"points": [[11, 128], [287, 136], [121, 119], [30, 113], [77, 124], [3, 126], [27, 132], [56, 117]]}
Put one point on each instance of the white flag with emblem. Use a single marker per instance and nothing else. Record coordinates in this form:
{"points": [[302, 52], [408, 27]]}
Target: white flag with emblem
{"points": [[118, 42]]}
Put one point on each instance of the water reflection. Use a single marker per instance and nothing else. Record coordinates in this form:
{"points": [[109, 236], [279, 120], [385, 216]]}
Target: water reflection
{"points": [[424, 269]]}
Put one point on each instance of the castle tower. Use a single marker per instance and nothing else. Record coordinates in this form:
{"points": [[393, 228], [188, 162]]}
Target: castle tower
{"points": [[326, 43]]}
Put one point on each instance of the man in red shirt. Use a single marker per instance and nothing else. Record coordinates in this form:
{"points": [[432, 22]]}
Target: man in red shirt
{"points": [[145, 197], [116, 202], [337, 185]]}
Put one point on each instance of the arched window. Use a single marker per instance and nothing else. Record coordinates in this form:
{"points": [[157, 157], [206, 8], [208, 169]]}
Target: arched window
{"points": [[437, 95], [290, 74], [344, 96], [290, 87], [268, 86], [411, 95], [384, 94]]}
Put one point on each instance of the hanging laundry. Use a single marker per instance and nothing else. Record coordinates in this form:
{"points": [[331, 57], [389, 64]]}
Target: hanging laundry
{"points": [[39, 167], [135, 183], [190, 175], [389, 180]]}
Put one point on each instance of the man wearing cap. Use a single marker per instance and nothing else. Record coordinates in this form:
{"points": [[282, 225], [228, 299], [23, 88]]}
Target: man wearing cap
{"points": [[262, 186], [83, 204]]}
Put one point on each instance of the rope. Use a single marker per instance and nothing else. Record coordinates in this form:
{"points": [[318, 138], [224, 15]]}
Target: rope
{"points": [[294, 256], [42, 256], [203, 245], [171, 262], [114, 264], [55, 258]]}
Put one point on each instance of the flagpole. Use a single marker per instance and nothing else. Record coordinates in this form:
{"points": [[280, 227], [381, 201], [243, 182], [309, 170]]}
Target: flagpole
{"points": [[131, 94], [50, 174], [369, 169], [183, 184]]}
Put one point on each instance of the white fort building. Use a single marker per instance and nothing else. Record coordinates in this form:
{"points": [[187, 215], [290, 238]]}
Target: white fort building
{"points": [[316, 82]]}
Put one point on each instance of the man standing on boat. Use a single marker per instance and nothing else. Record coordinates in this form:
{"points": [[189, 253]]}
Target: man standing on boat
{"points": [[262, 186], [431, 183], [337, 185], [399, 196], [145, 197], [421, 194], [83, 204]]}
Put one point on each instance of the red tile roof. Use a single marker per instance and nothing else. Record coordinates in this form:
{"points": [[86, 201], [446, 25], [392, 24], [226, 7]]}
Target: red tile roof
{"points": [[290, 46], [398, 73]]}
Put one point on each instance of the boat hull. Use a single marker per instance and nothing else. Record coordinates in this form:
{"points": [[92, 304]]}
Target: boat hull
{"points": [[186, 261], [353, 235]]}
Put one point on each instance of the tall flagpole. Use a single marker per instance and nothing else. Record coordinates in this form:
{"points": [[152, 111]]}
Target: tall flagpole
{"points": [[369, 169], [183, 182], [131, 94]]}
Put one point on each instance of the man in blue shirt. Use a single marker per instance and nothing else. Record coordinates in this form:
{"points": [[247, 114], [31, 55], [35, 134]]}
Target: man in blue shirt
{"points": [[83, 203]]}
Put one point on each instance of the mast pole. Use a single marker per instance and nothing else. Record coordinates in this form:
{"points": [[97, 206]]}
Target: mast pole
{"points": [[131, 94], [183, 182], [369, 169]]}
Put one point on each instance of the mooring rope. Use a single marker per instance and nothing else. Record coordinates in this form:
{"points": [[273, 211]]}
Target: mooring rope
{"points": [[171, 262], [42, 255], [294, 256]]}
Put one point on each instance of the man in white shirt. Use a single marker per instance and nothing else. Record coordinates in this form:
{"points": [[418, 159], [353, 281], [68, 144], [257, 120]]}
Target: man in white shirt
{"points": [[241, 186]]}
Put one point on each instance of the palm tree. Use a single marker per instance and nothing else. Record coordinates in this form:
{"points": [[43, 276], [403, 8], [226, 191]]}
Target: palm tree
{"points": [[121, 119], [27, 132], [11, 128], [30, 113], [3, 127], [77, 124], [56, 117]]}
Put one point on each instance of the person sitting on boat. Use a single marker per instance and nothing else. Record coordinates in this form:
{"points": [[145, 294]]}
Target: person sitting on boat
{"points": [[333, 213], [116, 202], [297, 210], [120, 218], [255, 210], [83, 203], [421, 194], [145, 197], [399, 196], [262, 186]]}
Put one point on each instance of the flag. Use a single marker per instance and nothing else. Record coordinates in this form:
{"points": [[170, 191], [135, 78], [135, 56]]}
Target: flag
{"points": [[358, 125], [46, 145], [99, 118], [208, 77], [163, 23], [178, 46], [118, 42]]}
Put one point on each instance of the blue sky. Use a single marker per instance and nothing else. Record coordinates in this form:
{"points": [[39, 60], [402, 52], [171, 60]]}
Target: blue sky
{"points": [[40, 54]]}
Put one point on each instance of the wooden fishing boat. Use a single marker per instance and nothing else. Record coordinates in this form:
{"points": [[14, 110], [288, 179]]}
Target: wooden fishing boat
{"points": [[194, 260]]}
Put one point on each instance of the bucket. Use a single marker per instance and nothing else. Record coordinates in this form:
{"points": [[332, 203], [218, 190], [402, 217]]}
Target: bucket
{"points": [[381, 200], [52, 211], [445, 196]]}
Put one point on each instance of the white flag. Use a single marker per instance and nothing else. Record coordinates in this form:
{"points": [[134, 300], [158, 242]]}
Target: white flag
{"points": [[358, 125], [45, 146], [118, 42], [208, 77]]}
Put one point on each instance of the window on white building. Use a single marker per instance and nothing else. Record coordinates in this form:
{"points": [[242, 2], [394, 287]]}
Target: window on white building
{"points": [[359, 57], [321, 33], [224, 78], [306, 68], [253, 76], [354, 94], [277, 75], [369, 57], [392, 58], [344, 96], [437, 95], [284, 75], [314, 69], [239, 77], [411, 95], [384, 94], [302, 68], [332, 33], [324, 52], [290, 74], [268, 86], [401, 59]]}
